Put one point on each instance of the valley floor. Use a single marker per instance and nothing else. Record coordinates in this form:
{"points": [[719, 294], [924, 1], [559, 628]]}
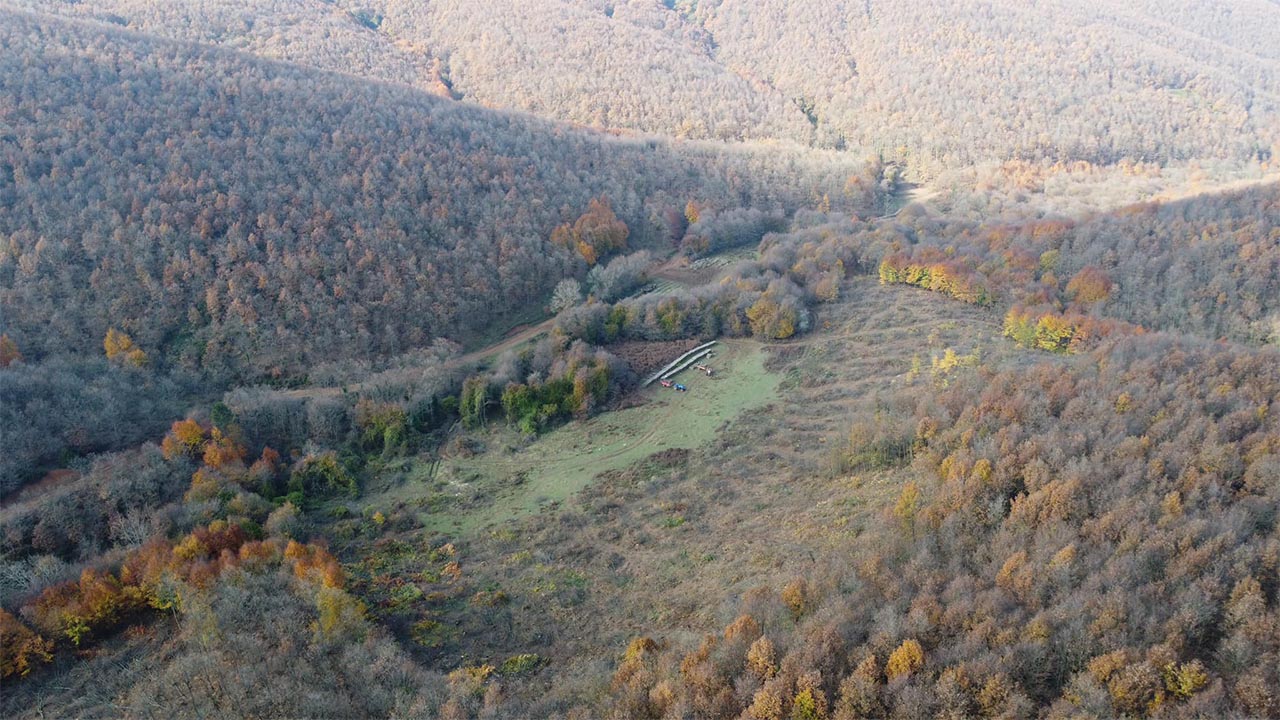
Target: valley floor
{"points": [[657, 518]]}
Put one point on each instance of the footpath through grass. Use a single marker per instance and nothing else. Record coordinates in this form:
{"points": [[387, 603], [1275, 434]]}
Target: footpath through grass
{"points": [[508, 480]]}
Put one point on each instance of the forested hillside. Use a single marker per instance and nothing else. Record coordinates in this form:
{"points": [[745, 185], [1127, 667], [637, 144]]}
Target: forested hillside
{"points": [[638, 67], [939, 84], [1208, 265], [329, 332], [310, 33], [957, 82], [1093, 538], [248, 219]]}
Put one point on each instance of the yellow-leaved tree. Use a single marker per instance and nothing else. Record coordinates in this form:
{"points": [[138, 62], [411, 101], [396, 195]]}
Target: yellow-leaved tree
{"points": [[121, 348], [908, 505], [907, 659]]}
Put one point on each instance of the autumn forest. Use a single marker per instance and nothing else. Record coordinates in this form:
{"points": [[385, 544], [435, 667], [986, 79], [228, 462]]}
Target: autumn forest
{"points": [[639, 359]]}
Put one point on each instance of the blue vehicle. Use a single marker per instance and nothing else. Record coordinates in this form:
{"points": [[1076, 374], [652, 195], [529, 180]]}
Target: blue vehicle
{"points": [[681, 388]]}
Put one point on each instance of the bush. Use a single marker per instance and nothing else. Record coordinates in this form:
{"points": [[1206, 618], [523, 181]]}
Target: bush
{"points": [[322, 474], [519, 664]]}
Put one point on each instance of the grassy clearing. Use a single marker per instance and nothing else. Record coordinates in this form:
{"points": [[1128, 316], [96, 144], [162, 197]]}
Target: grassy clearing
{"points": [[680, 274], [724, 259], [509, 479], [660, 286], [665, 545]]}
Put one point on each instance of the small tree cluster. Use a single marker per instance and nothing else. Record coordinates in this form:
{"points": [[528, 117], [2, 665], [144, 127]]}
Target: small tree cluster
{"points": [[595, 235], [935, 273], [577, 384], [120, 348], [1051, 331]]}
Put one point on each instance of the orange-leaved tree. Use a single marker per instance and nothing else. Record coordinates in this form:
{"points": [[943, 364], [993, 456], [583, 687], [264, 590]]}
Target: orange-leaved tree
{"points": [[20, 647], [597, 234], [9, 352], [185, 437], [1090, 285]]}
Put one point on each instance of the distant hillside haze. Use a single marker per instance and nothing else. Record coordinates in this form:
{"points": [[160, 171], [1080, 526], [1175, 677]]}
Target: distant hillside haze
{"points": [[310, 33], [938, 84]]}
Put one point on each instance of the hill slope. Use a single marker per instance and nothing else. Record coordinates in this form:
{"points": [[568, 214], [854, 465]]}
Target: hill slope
{"points": [[941, 84], [955, 81], [961, 464], [251, 218], [320, 35]]}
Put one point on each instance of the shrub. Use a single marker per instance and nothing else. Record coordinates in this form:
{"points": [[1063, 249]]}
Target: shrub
{"points": [[519, 664], [322, 474]]}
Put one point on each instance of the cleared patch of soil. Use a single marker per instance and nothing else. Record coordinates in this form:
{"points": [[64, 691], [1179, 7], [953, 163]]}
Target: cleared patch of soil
{"points": [[645, 357]]}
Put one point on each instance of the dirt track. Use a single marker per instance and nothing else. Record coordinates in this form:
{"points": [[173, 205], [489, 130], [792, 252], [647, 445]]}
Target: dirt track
{"points": [[522, 335]]}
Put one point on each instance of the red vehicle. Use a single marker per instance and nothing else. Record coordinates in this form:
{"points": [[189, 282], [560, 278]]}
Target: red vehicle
{"points": [[665, 383]]}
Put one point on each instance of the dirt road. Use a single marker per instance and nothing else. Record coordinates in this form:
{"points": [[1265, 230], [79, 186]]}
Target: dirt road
{"points": [[517, 337]]}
